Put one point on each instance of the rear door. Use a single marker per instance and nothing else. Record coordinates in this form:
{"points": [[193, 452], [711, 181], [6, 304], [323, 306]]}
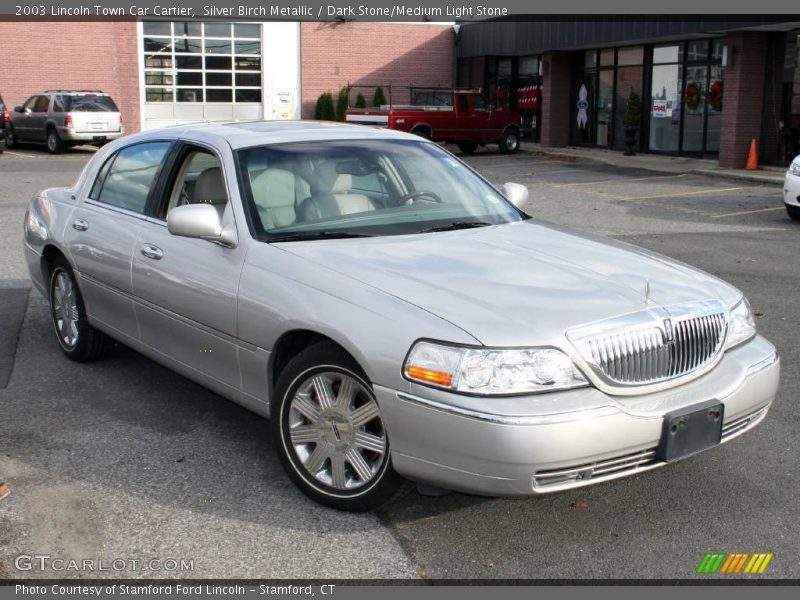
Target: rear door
{"points": [[102, 232]]}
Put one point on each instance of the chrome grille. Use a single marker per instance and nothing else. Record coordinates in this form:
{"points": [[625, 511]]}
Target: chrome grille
{"points": [[653, 345]]}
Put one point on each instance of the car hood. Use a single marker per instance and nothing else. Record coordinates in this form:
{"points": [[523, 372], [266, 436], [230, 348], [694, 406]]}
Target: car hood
{"points": [[521, 284]]}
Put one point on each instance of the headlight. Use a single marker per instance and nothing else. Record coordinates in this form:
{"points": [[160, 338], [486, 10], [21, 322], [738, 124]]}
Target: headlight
{"points": [[794, 168], [492, 371], [742, 325]]}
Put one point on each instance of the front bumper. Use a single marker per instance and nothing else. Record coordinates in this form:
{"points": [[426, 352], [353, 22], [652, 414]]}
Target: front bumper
{"points": [[526, 445], [791, 190], [69, 135]]}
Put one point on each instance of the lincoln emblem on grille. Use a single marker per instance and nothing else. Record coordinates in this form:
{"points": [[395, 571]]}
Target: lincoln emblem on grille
{"points": [[669, 331]]}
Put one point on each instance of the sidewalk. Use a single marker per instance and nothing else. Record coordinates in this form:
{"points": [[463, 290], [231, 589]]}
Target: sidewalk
{"points": [[768, 175]]}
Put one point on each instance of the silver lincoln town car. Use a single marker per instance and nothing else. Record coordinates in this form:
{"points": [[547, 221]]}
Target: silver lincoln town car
{"points": [[394, 314]]}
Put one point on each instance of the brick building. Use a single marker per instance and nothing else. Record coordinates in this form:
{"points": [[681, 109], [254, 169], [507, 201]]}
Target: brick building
{"points": [[164, 73], [708, 86]]}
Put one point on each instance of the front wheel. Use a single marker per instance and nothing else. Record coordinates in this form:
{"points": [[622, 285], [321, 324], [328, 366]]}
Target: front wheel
{"points": [[78, 340], [54, 143], [793, 211], [509, 142], [329, 433]]}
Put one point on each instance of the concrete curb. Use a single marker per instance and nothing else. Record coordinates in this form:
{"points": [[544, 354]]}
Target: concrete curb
{"points": [[750, 176]]}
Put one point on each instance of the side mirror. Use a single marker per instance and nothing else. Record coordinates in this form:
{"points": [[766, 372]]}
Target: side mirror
{"points": [[516, 193], [200, 221], [18, 109]]}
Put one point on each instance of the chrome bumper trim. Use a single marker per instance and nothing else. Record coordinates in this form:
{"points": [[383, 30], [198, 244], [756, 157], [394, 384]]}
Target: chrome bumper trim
{"points": [[459, 411]]}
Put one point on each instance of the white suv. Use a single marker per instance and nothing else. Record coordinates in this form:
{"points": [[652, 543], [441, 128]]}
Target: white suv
{"points": [[62, 118], [791, 189]]}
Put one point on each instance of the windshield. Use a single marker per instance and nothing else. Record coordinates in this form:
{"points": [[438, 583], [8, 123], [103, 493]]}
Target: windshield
{"points": [[89, 103], [358, 187]]}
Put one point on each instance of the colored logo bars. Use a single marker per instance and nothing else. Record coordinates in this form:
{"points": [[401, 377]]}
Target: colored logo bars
{"points": [[730, 564]]}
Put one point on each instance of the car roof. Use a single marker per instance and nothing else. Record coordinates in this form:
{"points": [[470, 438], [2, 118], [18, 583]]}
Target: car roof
{"points": [[243, 134]]}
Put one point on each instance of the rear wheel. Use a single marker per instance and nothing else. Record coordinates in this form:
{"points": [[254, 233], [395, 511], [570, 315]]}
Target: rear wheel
{"points": [[329, 434], [794, 212], [54, 143], [509, 142], [423, 132], [78, 340], [467, 147], [11, 139]]}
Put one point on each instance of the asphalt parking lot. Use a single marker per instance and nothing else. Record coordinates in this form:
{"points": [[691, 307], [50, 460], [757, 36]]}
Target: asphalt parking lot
{"points": [[124, 459]]}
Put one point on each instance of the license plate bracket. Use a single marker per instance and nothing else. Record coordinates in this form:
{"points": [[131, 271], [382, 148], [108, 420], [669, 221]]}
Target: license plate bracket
{"points": [[690, 430]]}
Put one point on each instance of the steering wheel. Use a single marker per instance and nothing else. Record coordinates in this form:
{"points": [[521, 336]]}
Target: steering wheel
{"points": [[412, 196]]}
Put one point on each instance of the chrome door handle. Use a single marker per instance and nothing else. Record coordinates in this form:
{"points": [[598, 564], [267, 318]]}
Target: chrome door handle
{"points": [[80, 225], [151, 251]]}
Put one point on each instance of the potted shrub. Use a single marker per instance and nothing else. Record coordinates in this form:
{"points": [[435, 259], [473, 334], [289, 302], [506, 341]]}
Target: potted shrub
{"points": [[324, 110], [378, 99], [631, 120], [361, 102], [342, 103]]}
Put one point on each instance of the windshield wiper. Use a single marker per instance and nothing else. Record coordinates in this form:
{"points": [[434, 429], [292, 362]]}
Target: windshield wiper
{"points": [[317, 235], [457, 225]]}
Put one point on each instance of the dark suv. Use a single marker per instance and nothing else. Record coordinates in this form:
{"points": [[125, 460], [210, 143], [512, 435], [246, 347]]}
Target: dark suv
{"points": [[63, 118], [4, 117]]}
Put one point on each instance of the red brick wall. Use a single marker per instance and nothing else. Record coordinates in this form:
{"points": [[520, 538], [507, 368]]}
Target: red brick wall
{"points": [[38, 56], [744, 97], [556, 104], [334, 54]]}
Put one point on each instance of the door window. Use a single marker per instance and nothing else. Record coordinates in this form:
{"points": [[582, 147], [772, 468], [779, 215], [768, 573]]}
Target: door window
{"points": [[29, 103], [200, 181], [130, 176]]}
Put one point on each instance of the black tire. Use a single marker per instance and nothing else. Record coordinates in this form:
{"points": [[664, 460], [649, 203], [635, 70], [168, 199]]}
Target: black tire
{"points": [[89, 344], [55, 144], [467, 147], [793, 211], [11, 139], [328, 361], [509, 141], [423, 132]]}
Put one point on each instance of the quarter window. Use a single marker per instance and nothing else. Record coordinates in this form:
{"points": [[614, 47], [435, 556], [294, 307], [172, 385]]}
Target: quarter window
{"points": [[125, 180]]}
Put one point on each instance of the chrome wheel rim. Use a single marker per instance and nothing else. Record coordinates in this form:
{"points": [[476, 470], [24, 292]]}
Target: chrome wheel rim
{"points": [[65, 310], [336, 431], [51, 141], [511, 141]]}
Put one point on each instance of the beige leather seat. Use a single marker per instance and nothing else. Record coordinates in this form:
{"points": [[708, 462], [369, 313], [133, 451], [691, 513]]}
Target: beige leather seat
{"points": [[332, 195], [209, 188]]}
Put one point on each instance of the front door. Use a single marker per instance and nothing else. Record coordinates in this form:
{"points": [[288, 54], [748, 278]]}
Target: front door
{"points": [[186, 289]]}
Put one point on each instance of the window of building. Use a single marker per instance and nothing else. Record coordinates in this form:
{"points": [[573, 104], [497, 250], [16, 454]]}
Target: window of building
{"points": [[202, 62]]}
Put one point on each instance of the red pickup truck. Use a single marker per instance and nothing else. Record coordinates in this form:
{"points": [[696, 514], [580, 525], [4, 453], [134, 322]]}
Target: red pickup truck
{"points": [[461, 117]]}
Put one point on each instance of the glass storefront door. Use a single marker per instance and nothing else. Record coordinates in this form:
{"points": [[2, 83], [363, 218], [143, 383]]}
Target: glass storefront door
{"points": [[687, 86], [605, 106]]}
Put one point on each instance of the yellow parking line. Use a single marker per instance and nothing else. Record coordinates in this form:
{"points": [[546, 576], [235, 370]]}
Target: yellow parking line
{"points": [[674, 195], [622, 179], [747, 212], [12, 153]]}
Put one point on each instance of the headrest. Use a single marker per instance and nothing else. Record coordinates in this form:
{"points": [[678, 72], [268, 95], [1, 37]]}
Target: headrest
{"points": [[210, 187]]}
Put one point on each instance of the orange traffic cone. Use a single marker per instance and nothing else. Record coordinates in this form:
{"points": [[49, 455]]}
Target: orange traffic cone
{"points": [[752, 157]]}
